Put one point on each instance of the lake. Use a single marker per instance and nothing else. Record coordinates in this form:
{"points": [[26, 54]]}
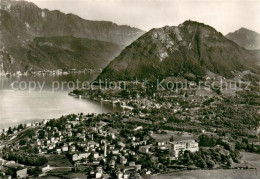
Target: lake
{"points": [[23, 106]]}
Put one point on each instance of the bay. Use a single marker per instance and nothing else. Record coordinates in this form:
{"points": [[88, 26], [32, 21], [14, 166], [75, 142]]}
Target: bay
{"points": [[23, 106]]}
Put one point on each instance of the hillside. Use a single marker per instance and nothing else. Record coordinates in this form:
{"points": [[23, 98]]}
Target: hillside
{"points": [[24, 20], [191, 47], [245, 38], [59, 52], [23, 24]]}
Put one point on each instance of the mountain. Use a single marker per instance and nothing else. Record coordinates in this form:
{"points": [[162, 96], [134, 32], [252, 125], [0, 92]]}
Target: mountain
{"points": [[245, 38], [190, 48], [59, 52], [257, 54], [26, 20], [22, 24]]}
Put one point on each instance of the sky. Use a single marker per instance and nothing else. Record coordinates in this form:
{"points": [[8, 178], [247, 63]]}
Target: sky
{"points": [[224, 15]]}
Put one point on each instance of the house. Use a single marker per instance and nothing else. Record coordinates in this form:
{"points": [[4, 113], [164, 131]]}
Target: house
{"points": [[121, 144], [99, 172], [65, 148], [111, 147], [21, 173], [92, 144], [96, 155], [123, 160], [131, 164], [115, 151], [254, 142], [112, 163], [76, 157], [138, 167], [192, 146], [162, 145], [74, 123], [126, 176], [58, 151], [28, 125], [98, 175], [50, 147], [180, 146], [46, 168], [144, 149], [72, 148], [39, 143], [68, 126], [69, 134], [120, 175]]}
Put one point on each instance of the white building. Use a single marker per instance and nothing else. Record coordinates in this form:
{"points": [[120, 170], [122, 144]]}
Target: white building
{"points": [[76, 157], [186, 145], [144, 149], [46, 168], [21, 173], [65, 148]]}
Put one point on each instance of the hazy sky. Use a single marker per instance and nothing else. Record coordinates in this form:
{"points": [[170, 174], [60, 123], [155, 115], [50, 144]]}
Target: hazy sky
{"points": [[224, 15]]}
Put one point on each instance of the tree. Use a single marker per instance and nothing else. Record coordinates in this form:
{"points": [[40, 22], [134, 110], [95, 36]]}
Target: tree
{"points": [[20, 127], [171, 139], [10, 131], [228, 163], [91, 157], [201, 163], [187, 158], [22, 142], [102, 162], [34, 171], [210, 163]]}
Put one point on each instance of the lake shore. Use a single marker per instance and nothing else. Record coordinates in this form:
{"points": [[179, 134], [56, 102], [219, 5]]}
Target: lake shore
{"points": [[21, 107]]}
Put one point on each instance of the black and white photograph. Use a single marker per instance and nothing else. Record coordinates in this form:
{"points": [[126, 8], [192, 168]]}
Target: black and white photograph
{"points": [[130, 89]]}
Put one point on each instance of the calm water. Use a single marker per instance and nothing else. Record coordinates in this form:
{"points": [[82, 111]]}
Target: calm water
{"points": [[21, 106]]}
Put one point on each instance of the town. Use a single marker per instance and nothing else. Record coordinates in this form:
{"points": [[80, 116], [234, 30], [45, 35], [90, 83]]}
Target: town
{"points": [[155, 132], [45, 72]]}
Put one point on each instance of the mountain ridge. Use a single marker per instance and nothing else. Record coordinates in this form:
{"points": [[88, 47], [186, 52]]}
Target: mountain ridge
{"points": [[191, 47], [246, 38], [22, 22], [34, 21], [59, 53]]}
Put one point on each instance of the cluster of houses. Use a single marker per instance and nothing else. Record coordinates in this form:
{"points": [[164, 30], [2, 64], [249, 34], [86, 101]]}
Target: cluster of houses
{"points": [[57, 72], [60, 72], [93, 145]]}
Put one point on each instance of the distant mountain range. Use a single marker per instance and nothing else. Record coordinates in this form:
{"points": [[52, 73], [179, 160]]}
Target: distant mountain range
{"points": [[60, 53], [191, 49], [34, 39], [22, 22], [245, 38]]}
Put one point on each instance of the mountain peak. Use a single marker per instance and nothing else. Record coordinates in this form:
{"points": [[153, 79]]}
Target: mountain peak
{"points": [[190, 47], [244, 30], [23, 3], [245, 38], [191, 22]]}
